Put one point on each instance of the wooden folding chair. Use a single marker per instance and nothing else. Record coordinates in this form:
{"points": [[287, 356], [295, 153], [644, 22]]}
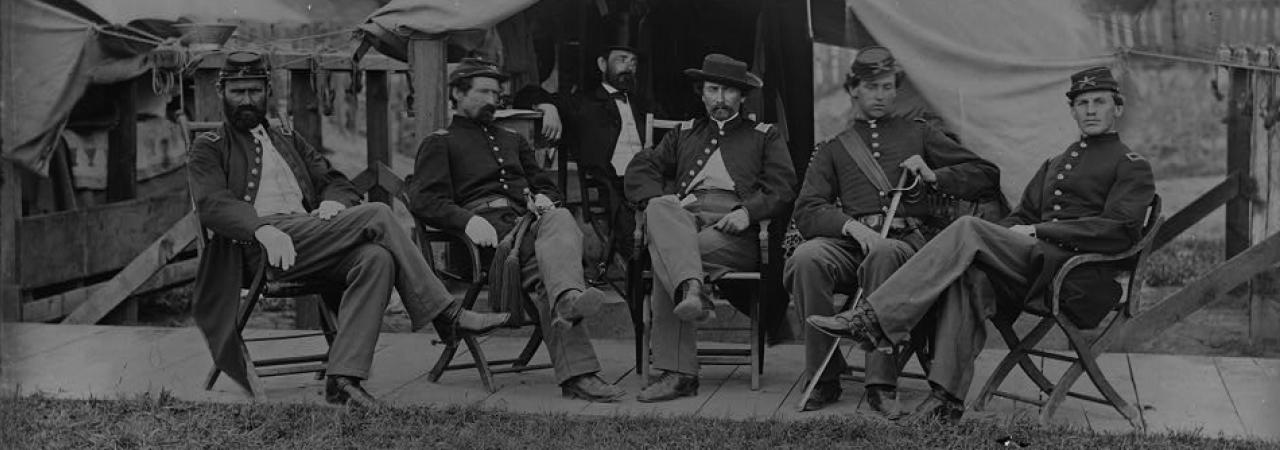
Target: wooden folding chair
{"points": [[1130, 263], [476, 279], [602, 207], [750, 355], [330, 296]]}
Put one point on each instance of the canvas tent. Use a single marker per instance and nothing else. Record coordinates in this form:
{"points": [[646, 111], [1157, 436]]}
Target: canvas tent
{"points": [[995, 71]]}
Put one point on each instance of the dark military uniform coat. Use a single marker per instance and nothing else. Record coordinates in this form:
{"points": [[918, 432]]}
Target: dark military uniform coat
{"points": [[224, 171], [470, 161], [833, 174], [754, 154], [1091, 198]]}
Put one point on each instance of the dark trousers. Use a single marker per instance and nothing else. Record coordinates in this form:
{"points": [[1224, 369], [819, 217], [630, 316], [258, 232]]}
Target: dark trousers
{"points": [[819, 268], [366, 248], [955, 273], [683, 246]]}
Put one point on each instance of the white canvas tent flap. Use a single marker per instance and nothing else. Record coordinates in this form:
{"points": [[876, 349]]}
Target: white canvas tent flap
{"points": [[995, 70]]}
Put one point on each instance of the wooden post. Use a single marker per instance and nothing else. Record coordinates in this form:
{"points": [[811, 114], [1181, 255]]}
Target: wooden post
{"points": [[305, 110], [378, 135], [1264, 296], [122, 173], [10, 213], [1239, 158], [207, 103], [430, 84]]}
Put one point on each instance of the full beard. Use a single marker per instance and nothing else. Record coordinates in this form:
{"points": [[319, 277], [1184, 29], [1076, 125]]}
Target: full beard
{"points": [[245, 117], [623, 81]]}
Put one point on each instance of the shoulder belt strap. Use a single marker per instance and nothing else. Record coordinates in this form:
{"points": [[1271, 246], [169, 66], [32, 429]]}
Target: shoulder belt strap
{"points": [[853, 145]]}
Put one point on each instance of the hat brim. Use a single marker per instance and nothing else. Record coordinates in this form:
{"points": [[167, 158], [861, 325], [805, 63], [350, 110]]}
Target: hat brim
{"points": [[751, 82], [501, 77]]}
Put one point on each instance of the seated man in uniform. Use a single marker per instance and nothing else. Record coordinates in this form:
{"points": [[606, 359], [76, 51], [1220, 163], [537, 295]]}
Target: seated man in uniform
{"points": [[479, 178], [1093, 197], [841, 210], [256, 184], [704, 191]]}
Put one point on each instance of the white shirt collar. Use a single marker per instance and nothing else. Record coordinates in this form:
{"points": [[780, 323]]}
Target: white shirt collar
{"points": [[608, 87], [721, 123]]}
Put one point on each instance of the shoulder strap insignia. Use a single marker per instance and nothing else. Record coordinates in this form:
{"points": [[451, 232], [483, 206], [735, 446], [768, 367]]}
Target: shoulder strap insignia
{"points": [[1133, 156], [441, 132], [763, 127], [212, 136]]}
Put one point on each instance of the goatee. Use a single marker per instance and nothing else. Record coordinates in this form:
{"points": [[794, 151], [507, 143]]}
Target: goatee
{"points": [[485, 114]]}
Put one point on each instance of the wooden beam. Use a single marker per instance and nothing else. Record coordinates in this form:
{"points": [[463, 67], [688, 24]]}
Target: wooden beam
{"points": [[1239, 158], [1202, 291], [1264, 294], [1198, 209], [70, 245], [304, 106], [430, 85], [325, 61], [122, 171], [56, 306], [122, 147], [206, 104], [377, 128], [156, 256], [10, 213]]}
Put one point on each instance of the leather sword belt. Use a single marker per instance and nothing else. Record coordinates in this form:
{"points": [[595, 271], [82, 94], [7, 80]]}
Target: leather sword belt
{"points": [[492, 202], [875, 221]]}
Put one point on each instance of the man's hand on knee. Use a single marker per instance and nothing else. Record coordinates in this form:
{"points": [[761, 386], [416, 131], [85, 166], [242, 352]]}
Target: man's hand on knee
{"points": [[866, 238], [1029, 230], [481, 232], [279, 246], [734, 222], [328, 209]]}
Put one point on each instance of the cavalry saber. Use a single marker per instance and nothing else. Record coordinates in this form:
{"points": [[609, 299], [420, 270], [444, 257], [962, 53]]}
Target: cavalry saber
{"points": [[894, 202]]}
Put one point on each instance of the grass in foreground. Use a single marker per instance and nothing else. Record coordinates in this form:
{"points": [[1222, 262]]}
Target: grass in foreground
{"points": [[41, 422]]}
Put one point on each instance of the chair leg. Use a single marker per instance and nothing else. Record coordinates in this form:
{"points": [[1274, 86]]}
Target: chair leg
{"points": [[1017, 355], [251, 373], [757, 341], [643, 369], [212, 378], [442, 363], [482, 363], [1088, 362], [530, 348]]}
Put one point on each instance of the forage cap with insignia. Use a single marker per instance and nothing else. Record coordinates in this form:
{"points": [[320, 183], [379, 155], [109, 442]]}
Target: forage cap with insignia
{"points": [[1092, 79]]}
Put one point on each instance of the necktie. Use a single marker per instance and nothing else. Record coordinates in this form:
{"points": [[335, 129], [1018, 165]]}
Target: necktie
{"points": [[619, 95]]}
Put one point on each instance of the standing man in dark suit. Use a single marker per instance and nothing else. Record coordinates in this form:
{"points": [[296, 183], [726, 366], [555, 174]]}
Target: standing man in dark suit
{"points": [[704, 191], [841, 210], [603, 129], [476, 177], [1092, 197]]}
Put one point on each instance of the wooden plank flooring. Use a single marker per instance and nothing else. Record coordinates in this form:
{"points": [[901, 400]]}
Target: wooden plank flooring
{"points": [[1216, 395]]}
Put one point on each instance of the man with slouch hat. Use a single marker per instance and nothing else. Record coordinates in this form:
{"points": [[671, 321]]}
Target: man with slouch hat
{"points": [[704, 191]]}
